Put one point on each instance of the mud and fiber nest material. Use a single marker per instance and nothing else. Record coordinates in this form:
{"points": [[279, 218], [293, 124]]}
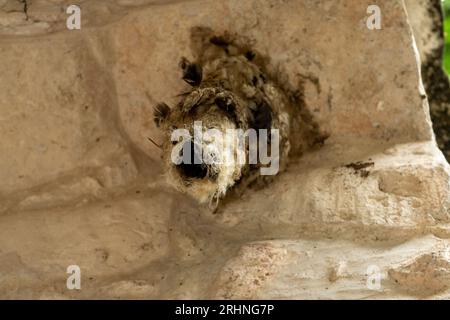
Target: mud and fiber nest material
{"points": [[231, 90]]}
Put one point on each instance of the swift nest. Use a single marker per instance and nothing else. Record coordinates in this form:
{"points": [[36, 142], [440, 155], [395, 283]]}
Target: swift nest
{"points": [[232, 91]]}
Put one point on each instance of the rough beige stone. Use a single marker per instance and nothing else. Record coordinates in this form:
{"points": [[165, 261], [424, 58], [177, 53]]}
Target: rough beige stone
{"points": [[82, 184]]}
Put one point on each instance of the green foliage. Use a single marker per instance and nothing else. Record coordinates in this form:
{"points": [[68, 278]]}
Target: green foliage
{"points": [[446, 4]]}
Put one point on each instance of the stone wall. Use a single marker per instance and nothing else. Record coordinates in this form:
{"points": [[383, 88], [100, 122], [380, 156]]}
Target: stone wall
{"points": [[82, 185]]}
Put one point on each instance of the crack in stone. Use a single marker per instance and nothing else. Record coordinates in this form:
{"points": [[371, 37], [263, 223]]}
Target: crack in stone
{"points": [[25, 7]]}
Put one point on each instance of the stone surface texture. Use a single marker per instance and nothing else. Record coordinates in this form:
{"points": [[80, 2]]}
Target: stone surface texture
{"points": [[82, 185]]}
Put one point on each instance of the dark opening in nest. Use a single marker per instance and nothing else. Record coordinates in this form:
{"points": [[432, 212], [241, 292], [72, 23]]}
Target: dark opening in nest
{"points": [[193, 168]]}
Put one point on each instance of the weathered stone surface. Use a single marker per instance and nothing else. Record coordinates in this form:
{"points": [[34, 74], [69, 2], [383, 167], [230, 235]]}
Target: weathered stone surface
{"points": [[82, 184]]}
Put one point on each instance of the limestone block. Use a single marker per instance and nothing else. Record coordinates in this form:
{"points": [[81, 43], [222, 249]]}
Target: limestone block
{"points": [[83, 185]]}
